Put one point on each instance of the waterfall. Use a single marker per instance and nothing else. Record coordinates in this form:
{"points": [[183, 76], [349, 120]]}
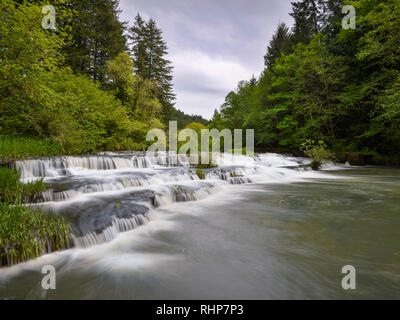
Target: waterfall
{"points": [[32, 169], [106, 194]]}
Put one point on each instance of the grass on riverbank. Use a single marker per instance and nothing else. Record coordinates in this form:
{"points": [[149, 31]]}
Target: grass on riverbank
{"points": [[24, 233], [27, 234], [12, 190], [13, 147]]}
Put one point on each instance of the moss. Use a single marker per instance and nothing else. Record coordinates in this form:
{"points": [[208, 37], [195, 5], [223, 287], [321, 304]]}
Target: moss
{"points": [[200, 174]]}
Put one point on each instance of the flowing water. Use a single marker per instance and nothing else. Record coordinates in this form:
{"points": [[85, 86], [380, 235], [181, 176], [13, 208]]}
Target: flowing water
{"points": [[255, 228]]}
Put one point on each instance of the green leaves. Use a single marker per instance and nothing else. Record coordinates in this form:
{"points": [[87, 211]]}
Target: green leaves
{"points": [[13, 191], [26, 234], [317, 151]]}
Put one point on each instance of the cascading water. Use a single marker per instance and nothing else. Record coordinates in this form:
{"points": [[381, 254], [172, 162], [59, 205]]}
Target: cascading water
{"points": [[249, 228], [104, 195]]}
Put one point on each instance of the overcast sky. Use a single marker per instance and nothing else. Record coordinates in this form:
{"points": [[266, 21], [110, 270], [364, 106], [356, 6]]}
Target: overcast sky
{"points": [[213, 44]]}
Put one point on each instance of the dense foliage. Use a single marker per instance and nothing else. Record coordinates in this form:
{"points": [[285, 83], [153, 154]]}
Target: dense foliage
{"points": [[326, 83], [80, 87]]}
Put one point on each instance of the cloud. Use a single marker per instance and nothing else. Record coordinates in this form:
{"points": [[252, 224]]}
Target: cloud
{"points": [[213, 44], [202, 80]]}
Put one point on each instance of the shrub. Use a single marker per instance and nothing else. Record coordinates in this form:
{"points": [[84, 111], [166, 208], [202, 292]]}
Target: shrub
{"points": [[317, 152]]}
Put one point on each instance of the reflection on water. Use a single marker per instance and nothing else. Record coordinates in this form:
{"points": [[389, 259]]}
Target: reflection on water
{"points": [[255, 241]]}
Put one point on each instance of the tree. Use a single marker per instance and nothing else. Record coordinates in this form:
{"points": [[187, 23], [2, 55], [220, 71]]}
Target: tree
{"points": [[185, 119], [306, 17], [331, 17], [280, 44], [97, 36], [120, 72], [27, 53], [135, 92], [137, 38], [149, 50]]}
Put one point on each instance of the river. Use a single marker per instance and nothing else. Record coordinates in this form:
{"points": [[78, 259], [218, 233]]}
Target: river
{"points": [[146, 228]]}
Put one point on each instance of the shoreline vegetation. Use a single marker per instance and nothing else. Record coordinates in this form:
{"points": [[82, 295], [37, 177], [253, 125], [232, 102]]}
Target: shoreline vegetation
{"points": [[26, 233]]}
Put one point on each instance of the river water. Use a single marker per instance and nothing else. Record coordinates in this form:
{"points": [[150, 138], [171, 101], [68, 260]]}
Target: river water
{"points": [[147, 228]]}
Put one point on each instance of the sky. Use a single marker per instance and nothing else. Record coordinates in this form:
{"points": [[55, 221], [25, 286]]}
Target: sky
{"points": [[212, 44]]}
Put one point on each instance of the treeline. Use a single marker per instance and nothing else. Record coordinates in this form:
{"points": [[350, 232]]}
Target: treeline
{"points": [[184, 120], [324, 82], [92, 84]]}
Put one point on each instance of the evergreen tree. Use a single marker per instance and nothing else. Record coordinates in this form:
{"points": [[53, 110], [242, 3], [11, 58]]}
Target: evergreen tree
{"points": [[136, 36], [280, 43], [149, 50], [306, 15], [97, 36], [331, 17]]}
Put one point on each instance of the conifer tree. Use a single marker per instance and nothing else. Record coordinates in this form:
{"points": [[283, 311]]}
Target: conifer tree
{"points": [[137, 43], [149, 49], [97, 37], [280, 43], [306, 15]]}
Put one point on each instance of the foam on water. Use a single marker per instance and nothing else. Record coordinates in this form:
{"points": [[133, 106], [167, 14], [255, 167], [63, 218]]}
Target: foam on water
{"points": [[111, 193]]}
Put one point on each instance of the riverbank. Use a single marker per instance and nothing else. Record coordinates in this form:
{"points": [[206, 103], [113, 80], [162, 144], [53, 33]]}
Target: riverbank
{"points": [[104, 195], [26, 233], [353, 158]]}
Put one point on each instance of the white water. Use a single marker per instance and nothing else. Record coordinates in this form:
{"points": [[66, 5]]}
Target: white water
{"points": [[160, 232], [102, 196]]}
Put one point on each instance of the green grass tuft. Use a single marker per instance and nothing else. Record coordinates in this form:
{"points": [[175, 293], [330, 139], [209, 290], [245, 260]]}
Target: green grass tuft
{"points": [[12, 190], [200, 174], [14, 147], [24, 233], [27, 234]]}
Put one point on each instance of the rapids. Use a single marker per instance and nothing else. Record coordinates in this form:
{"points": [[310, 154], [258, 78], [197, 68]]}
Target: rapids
{"points": [[254, 228]]}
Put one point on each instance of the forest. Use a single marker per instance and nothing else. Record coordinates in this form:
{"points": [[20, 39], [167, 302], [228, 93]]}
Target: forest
{"points": [[322, 82], [93, 83]]}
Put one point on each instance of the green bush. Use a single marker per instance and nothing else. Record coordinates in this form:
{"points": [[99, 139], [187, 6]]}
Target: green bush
{"points": [[317, 152]]}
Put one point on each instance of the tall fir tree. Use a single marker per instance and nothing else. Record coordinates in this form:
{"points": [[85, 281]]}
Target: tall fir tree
{"points": [[98, 36], [149, 50], [137, 36], [306, 15], [280, 44]]}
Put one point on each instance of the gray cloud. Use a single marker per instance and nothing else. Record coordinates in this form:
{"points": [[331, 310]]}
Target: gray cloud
{"points": [[213, 44]]}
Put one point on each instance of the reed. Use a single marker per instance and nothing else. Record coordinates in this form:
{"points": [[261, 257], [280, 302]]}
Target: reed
{"points": [[27, 234], [12, 190]]}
